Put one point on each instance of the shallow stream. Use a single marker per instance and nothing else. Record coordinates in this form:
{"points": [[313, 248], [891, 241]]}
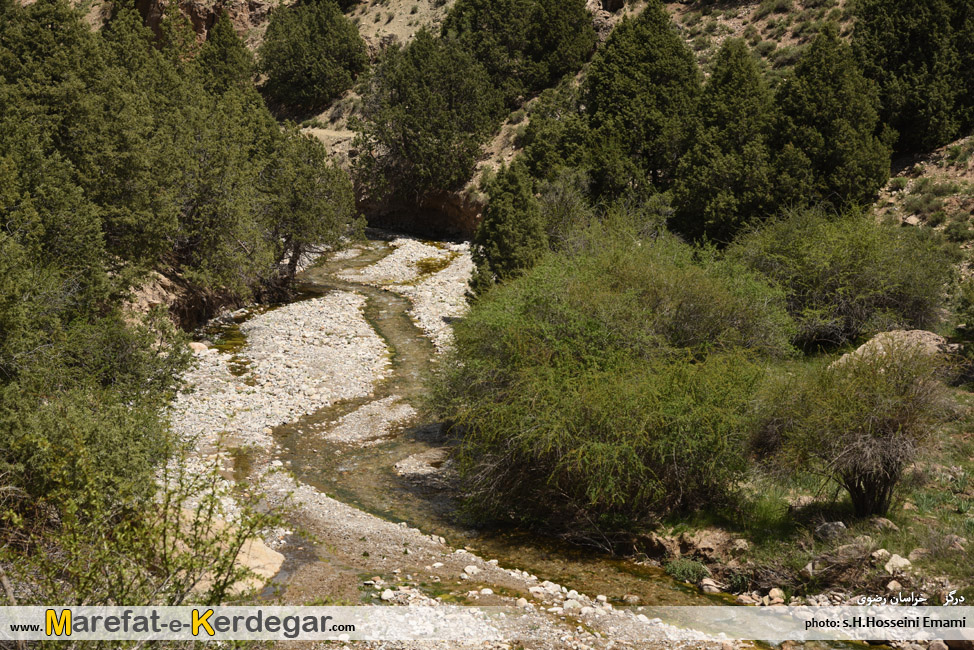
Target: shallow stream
{"points": [[366, 477]]}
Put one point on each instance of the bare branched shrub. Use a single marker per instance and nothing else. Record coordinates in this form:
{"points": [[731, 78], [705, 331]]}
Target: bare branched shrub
{"points": [[859, 423]]}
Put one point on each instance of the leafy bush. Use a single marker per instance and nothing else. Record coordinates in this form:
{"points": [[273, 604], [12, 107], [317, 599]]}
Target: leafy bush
{"points": [[847, 277], [606, 388], [686, 570], [174, 549], [311, 54], [859, 422]]}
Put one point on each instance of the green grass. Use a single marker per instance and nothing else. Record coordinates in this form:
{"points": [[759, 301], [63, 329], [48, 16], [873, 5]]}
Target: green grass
{"points": [[687, 570]]}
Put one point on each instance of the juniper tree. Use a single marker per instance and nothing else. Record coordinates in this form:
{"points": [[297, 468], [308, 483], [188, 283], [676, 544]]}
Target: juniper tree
{"points": [[429, 107], [641, 94], [911, 49], [512, 237], [830, 124], [725, 180], [311, 54]]}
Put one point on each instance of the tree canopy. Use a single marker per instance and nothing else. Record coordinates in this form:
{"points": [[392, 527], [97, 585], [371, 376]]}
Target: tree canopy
{"points": [[429, 108], [311, 54]]}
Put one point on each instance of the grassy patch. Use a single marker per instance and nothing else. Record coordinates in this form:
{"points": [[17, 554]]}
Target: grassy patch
{"points": [[687, 570], [431, 265]]}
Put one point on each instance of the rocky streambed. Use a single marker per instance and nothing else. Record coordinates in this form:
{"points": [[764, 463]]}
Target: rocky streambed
{"points": [[315, 402]]}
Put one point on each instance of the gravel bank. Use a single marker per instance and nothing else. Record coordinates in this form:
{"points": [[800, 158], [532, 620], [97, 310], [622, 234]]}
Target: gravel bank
{"points": [[370, 423], [438, 297], [402, 265], [302, 357]]}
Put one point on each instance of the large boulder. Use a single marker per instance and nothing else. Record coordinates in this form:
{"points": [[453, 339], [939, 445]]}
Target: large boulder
{"points": [[928, 342]]}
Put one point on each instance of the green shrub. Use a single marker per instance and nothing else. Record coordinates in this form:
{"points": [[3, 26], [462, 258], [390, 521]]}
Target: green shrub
{"points": [[922, 204], [899, 183], [959, 231], [686, 570], [860, 421], [608, 388], [311, 54], [174, 549], [848, 277]]}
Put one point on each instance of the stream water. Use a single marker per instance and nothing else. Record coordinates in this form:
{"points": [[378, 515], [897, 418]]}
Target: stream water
{"points": [[366, 478]]}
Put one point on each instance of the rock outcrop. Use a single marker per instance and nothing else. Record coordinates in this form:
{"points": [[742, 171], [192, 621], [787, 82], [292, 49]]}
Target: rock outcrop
{"points": [[928, 342], [249, 17]]}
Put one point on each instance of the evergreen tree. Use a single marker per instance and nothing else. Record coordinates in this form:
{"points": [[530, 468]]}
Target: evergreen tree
{"points": [[429, 108], [310, 202], [725, 180], [561, 38], [524, 44], [910, 48], [964, 44], [829, 115], [557, 135], [224, 60], [641, 95], [511, 238], [311, 54]]}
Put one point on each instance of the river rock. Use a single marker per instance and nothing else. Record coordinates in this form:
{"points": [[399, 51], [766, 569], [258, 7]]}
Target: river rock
{"points": [[471, 570], [918, 553], [882, 523], [739, 547], [896, 565], [960, 644], [830, 530], [388, 594], [709, 544], [708, 586], [658, 546], [927, 342]]}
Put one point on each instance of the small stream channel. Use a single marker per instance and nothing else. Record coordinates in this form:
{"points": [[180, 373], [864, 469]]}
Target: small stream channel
{"points": [[366, 478]]}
